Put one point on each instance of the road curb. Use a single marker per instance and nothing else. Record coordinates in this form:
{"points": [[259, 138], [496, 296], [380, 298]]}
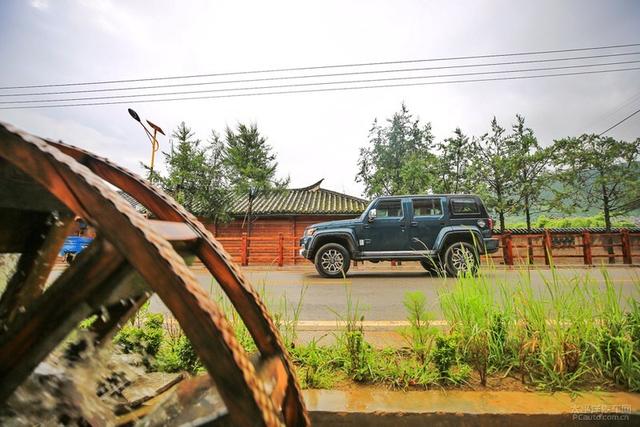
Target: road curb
{"points": [[479, 408]]}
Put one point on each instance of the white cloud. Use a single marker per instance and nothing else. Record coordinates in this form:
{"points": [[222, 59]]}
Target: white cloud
{"points": [[315, 135], [40, 4]]}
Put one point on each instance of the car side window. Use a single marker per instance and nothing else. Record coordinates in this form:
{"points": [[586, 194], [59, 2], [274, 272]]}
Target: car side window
{"points": [[427, 207], [464, 207], [389, 209]]}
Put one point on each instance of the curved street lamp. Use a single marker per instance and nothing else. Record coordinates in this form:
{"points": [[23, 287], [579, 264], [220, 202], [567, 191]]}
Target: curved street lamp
{"points": [[155, 145]]}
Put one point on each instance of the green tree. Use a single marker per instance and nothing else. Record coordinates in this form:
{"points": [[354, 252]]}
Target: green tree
{"points": [[196, 174], [531, 168], [455, 165], [494, 163], [250, 161], [601, 171], [398, 158]]}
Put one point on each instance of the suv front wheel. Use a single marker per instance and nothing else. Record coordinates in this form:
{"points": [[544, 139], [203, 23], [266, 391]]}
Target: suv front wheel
{"points": [[332, 260], [460, 258]]}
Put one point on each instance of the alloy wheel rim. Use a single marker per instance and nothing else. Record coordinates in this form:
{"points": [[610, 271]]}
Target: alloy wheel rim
{"points": [[462, 259], [332, 261]]}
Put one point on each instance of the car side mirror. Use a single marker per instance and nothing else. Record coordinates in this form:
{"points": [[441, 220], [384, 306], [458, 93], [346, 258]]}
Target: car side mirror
{"points": [[372, 215]]}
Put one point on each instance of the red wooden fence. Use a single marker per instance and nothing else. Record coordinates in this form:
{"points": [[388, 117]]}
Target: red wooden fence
{"points": [[540, 248]]}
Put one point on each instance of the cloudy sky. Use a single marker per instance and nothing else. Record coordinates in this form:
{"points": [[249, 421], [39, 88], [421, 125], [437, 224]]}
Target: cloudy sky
{"points": [[316, 135]]}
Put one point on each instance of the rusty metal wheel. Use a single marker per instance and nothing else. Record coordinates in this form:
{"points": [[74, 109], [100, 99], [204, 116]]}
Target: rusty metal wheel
{"points": [[47, 184]]}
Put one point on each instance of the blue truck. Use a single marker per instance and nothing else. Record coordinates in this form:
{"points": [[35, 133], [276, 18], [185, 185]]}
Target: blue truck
{"points": [[74, 245]]}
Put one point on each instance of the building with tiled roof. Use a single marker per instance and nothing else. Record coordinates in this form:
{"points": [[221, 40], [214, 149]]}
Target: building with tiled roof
{"points": [[311, 200], [285, 212]]}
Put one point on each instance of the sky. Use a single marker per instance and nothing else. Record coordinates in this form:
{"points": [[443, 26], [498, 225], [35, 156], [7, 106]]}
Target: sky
{"points": [[315, 135]]}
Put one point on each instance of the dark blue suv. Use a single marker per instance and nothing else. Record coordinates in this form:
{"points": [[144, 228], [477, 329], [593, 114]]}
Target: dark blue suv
{"points": [[444, 232]]}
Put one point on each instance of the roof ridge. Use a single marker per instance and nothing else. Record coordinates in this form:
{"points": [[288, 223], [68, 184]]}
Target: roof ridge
{"points": [[313, 187]]}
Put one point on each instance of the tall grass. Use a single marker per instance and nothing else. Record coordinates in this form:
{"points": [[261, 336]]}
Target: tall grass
{"points": [[565, 335]]}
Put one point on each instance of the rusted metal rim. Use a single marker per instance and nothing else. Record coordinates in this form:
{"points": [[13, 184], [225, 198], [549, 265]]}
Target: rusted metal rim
{"points": [[159, 265]]}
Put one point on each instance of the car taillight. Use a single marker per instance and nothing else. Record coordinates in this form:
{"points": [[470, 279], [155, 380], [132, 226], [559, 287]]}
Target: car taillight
{"points": [[490, 222]]}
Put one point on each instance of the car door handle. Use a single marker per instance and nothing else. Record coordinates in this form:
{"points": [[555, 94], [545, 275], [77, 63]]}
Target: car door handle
{"points": [[414, 223]]}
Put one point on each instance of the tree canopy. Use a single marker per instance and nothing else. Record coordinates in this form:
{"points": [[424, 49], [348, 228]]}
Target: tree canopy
{"points": [[399, 157], [250, 160]]}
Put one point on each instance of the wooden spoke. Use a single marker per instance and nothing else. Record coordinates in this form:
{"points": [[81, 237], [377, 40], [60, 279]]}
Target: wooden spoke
{"points": [[217, 261], [105, 278], [71, 298], [34, 265]]}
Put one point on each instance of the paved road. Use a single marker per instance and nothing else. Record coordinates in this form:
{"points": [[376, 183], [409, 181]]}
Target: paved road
{"points": [[379, 292]]}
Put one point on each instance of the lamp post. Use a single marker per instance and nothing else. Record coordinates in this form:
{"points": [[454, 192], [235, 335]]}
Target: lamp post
{"points": [[155, 145]]}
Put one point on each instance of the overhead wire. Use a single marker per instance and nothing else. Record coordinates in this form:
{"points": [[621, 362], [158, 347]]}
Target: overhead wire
{"points": [[236, 95], [619, 123], [308, 76], [325, 83], [318, 67]]}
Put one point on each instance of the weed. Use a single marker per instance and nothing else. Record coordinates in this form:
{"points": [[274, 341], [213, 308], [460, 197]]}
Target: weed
{"points": [[356, 352], [316, 365], [444, 353], [419, 334]]}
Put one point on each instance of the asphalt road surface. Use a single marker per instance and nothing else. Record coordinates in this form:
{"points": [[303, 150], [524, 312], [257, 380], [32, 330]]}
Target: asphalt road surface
{"points": [[379, 293]]}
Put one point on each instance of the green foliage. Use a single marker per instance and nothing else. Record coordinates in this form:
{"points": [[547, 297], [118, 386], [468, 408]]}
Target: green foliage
{"points": [[420, 333], [250, 161], [399, 158], [531, 167], [317, 365], [177, 355], [495, 162], [196, 176], [88, 322], [619, 347], [145, 337], [599, 170], [455, 165], [444, 354], [544, 221]]}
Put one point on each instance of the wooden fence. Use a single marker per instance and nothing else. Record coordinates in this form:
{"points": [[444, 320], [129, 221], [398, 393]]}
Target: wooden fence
{"points": [[544, 248]]}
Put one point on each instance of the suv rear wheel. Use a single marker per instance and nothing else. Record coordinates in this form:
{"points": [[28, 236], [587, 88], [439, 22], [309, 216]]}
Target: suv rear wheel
{"points": [[461, 257], [332, 260]]}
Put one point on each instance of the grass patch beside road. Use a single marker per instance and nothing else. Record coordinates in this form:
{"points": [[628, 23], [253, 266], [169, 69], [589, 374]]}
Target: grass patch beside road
{"points": [[576, 333]]}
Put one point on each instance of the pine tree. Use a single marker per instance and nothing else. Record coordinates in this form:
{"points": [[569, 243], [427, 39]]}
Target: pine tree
{"points": [[455, 172], [250, 162], [196, 174], [495, 165], [531, 168]]}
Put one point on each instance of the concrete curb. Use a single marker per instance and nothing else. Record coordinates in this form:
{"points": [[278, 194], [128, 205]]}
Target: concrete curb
{"points": [[447, 408]]}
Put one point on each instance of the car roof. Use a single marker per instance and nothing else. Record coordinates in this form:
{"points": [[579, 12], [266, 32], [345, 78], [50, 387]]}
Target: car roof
{"points": [[427, 195]]}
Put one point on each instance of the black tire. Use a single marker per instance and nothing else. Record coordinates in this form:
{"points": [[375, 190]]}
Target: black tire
{"points": [[333, 261], [433, 265], [458, 256]]}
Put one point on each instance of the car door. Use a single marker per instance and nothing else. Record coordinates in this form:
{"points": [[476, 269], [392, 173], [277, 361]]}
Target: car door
{"points": [[388, 231], [426, 221]]}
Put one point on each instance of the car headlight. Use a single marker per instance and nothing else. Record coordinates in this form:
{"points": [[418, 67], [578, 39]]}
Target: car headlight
{"points": [[309, 232]]}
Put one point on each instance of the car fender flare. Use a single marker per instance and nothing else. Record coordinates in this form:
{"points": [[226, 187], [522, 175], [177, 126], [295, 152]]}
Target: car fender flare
{"points": [[451, 230], [347, 234]]}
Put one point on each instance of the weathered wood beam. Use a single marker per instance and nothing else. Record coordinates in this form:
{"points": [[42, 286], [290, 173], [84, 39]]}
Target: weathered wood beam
{"points": [[35, 265], [77, 293]]}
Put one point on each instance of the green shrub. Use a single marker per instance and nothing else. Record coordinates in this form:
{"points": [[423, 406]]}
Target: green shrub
{"points": [[316, 365], [444, 353], [145, 339]]}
